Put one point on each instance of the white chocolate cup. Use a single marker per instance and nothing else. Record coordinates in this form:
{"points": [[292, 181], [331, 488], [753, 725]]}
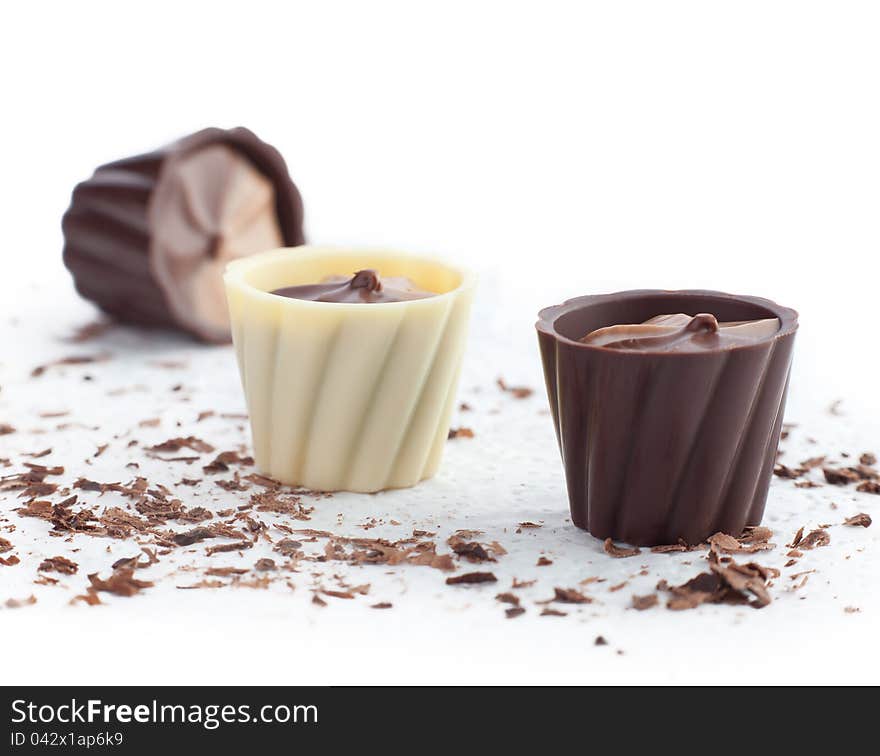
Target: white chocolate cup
{"points": [[347, 396]]}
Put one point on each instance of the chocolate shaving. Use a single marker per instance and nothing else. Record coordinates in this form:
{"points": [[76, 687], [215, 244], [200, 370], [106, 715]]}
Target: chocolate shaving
{"points": [[460, 433], [619, 552], [121, 583], [6, 429], [859, 520], [58, 564], [841, 477], [18, 603], [381, 605], [641, 603], [518, 392], [868, 459], [176, 444], [471, 577], [814, 539], [514, 612], [83, 359], [222, 461], [508, 598], [5, 545], [193, 536], [543, 562], [469, 550], [548, 612], [570, 596], [869, 486], [237, 546]]}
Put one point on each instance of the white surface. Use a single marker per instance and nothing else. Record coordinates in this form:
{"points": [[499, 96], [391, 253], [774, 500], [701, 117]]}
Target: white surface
{"points": [[559, 148]]}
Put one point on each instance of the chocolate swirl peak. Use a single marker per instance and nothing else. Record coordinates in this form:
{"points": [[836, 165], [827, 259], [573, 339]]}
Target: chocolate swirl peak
{"points": [[681, 333], [364, 287]]}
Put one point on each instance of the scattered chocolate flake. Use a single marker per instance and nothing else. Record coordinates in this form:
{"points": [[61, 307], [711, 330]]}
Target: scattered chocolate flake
{"points": [[645, 602], [527, 526], [869, 486], [265, 565], [814, 539], [89, 331], [729, 583], [18, 603], [600, 641], [514, 612], [6, 429], [471, 577], [223, 460], [791, 473], [193, 536], [37, 455], [570, 596], [101, 449], [755, 539], [226, 571], [522, 583], [518, 392], [543, 562], [841, 476], [176, 444], [798, 537], [460, 433], [316, 599], [868, 458], [548, 612], [5, 545], [59, 564], [508, 598], [121, 583], [9, 561], [469, 550], [859, 520], [338, 594], [90, 597], [619, 552], [189, 481], [233, 484], [82, 359], [669, 548], [807, 484], [381, 605], [237, 546]]}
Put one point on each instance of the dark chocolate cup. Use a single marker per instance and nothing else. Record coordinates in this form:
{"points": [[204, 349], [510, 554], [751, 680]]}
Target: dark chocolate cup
{"points": [[661, 447]]}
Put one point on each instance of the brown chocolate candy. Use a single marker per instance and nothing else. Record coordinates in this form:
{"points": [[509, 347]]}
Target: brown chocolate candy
{"points": [[147, 237], [666, 445]]}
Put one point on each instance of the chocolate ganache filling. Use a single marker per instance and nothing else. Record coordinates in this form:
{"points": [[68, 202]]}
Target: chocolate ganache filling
{"points": [[681, 333], [365, 287]]}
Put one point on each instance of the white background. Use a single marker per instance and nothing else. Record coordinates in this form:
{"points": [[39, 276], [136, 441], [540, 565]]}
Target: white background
{"points": [[558, 148]]}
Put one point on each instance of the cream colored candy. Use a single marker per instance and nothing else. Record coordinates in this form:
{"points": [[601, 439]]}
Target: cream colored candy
{"points": [[347, 396]]}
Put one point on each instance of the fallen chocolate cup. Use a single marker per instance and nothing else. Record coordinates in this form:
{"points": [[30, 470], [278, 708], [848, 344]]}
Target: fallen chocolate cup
{"points": [[659, 444], [147, 238]]}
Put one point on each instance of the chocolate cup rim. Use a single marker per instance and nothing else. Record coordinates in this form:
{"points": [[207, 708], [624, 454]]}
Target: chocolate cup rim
{"points": [[235, 275], [549, 316]]}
